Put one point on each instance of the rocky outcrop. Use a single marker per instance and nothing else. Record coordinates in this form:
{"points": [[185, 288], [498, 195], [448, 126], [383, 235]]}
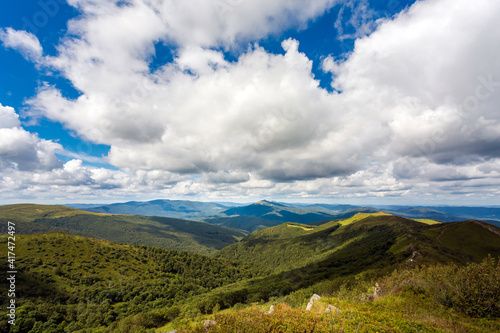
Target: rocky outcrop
{"points": [[311, 301]]}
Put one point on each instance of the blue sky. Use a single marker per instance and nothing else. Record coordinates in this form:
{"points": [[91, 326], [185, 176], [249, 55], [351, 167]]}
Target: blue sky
{"points": [[335, 101]]}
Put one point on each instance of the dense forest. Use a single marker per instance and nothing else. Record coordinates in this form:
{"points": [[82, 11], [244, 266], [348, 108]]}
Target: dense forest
{"points": [[69, 283], [374, 272]]}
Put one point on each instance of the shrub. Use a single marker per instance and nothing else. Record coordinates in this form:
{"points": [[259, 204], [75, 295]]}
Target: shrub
{"points": [[473, 289], [477, 289], [283, 320]]}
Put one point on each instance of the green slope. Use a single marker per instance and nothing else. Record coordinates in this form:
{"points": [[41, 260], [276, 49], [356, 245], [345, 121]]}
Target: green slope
{"points": [[162, 232], [30, 212], [67, 283], [72, 283], [290, 245], [280, 212], [341, 255], [245, 223]]}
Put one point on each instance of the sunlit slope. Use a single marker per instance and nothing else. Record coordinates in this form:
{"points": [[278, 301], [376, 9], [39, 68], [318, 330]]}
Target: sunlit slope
{"points": [[162, 232], [30, 212], [291, 245]]}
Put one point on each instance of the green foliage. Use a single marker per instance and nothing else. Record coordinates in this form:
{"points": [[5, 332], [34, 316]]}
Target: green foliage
{"points": [[407, 302], [243, 222], [393, 313], [477, 289], [84, 283], [473, 238], [72, 283], [283, 319], [30, 212], [162, 232], [291, 245], [473, 289]]}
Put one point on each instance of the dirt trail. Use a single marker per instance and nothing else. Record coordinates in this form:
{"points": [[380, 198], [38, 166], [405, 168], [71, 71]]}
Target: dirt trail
{"points": [[442, 232]]}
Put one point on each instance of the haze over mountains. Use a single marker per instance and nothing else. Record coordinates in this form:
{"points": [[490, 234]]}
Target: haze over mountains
{"points": [[168, 208], [157, 231], [265, 213]]}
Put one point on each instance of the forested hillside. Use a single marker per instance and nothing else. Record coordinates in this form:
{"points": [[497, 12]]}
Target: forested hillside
{"points": [[72, 283], [290, 245], [68, 283], [162, 232]]}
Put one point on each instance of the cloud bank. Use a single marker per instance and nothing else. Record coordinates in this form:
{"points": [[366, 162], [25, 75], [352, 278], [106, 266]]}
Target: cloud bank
{"points": [[414, 112]]}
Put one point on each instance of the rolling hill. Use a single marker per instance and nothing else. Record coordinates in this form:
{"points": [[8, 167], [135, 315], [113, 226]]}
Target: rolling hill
{"points": [[162, 232], [267, 214], [72, 283], [182, 209], [30, 212], [290, 245], [264, 214], [245, 223], [279, 212], [345, 256], [251, 217], [68, 283]]}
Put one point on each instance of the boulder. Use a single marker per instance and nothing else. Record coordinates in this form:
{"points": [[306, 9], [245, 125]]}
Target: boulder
{"points": [[311, 301]]}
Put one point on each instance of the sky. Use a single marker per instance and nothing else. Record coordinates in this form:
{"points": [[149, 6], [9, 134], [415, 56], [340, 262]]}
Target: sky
{"points": [[337, 101]]}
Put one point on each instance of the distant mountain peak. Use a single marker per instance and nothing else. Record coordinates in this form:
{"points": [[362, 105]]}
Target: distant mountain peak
{"points": [[268, 203]]}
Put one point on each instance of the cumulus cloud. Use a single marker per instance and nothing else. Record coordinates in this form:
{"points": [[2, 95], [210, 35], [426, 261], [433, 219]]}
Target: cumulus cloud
{"points": [[432, 77], [264, 113], [8, 117], [24, 42], [417, 98], [22, 150], [228, 23]]}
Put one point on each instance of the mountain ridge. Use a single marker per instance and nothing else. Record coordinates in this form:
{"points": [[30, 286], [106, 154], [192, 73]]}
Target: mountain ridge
{"points": [[124, 287], [288, 212], [171, 233], [306, 243]]}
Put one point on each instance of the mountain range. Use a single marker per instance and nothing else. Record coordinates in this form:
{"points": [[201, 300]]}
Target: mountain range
{"points": [[183, 209], [157, 231], [74, 276], [263, 214]]}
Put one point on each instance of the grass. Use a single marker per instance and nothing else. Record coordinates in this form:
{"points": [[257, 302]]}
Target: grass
{"points": [[31, 212], [291, 245], [290, 225], [361, 216], [428, 221], [394, 313], [408, 302]]}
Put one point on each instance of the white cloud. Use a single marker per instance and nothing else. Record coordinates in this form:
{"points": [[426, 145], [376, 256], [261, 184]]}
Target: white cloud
{"points": [[24, 42], [22, 150], [355, 15], [259, 114], [229, 22], [8, 117], [418, 101], [432, 76]]}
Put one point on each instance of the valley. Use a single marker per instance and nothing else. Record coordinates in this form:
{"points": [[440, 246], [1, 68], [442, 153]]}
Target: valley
{"points": [[102, 272]]}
